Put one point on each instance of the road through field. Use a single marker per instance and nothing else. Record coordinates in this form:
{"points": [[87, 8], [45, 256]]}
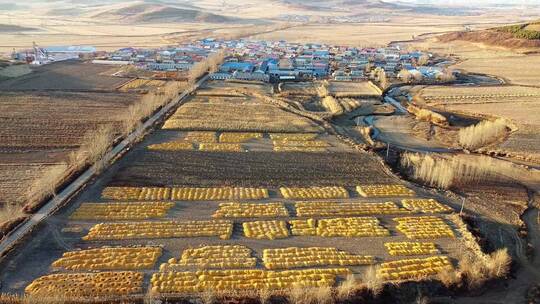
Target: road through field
{"points": [[73, 188]]}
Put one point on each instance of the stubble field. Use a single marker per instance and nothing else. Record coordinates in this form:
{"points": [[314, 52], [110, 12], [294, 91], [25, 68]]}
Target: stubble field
{"points": [[46, 115]]}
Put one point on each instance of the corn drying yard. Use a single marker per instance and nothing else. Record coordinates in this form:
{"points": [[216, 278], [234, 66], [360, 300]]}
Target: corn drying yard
{"points": [[233, 193]]}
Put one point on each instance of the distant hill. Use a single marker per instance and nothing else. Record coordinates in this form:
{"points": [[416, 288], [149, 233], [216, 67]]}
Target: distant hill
{"points": [[387, 6], [146, 12], [521, 36]]}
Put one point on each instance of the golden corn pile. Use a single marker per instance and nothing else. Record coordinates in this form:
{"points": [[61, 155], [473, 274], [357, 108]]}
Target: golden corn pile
{"points": [[411, 248], [121, 211], [235, 209], [87, 284], [115, 258], [293, 136], [314, 192], [340, 227], [183, 193], [199, 136], [307, 227], [294, 257], [238, 137], [136, 193], [221, 147], [384, 190], [217, 256], [351, 227], [424, 227], [413, 268], [346, 208], [299, 149], [266, 230], [163, 229], [425, 205], [219, 193], [179, 145], [248, 279]]}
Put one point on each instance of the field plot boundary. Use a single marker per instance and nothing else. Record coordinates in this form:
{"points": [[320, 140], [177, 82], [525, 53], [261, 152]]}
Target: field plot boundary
{"points": [[73, 188]]}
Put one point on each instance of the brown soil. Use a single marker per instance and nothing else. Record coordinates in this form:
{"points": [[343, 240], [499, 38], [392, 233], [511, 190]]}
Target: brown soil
{"points": [[66, 75], [251, 169]]}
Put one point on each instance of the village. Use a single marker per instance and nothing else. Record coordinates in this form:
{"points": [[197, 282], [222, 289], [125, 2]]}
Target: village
{"points": [[259, 60]]}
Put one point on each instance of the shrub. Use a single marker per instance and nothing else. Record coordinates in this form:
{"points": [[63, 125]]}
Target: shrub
{"points": [[449, 277], [371, 281], [478, 269], [347, 288], [481, 134], [322, 295], [10, 212], [332, 105], [45, 185]]}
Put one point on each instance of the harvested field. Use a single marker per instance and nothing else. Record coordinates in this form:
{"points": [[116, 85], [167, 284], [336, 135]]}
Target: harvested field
{"points": [[467, 95], [299, 88], [33, 121], [15, 179], [354, 89], [66, 75], [47, 114], [250, 169], [247, 117], [515, 68], [503, 203], [479, 58]]}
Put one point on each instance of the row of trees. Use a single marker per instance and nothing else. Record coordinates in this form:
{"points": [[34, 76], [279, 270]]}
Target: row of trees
{"points": [[210, 64]]}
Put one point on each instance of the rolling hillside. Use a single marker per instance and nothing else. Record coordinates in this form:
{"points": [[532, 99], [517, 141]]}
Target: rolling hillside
{"points": [[146, 13]]}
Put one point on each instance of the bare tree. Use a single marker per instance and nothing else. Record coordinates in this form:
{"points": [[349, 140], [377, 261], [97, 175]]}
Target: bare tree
{"points": [[210, 64]]}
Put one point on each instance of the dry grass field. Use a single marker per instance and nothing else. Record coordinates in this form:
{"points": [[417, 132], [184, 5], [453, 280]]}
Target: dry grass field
{"points": [[361, 34], [516, 69], [513, 103], [510, 65], [33, 121]]}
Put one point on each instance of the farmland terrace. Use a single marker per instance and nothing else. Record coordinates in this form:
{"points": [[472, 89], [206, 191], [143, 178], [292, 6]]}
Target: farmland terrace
{"points": [[245, 186]]}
